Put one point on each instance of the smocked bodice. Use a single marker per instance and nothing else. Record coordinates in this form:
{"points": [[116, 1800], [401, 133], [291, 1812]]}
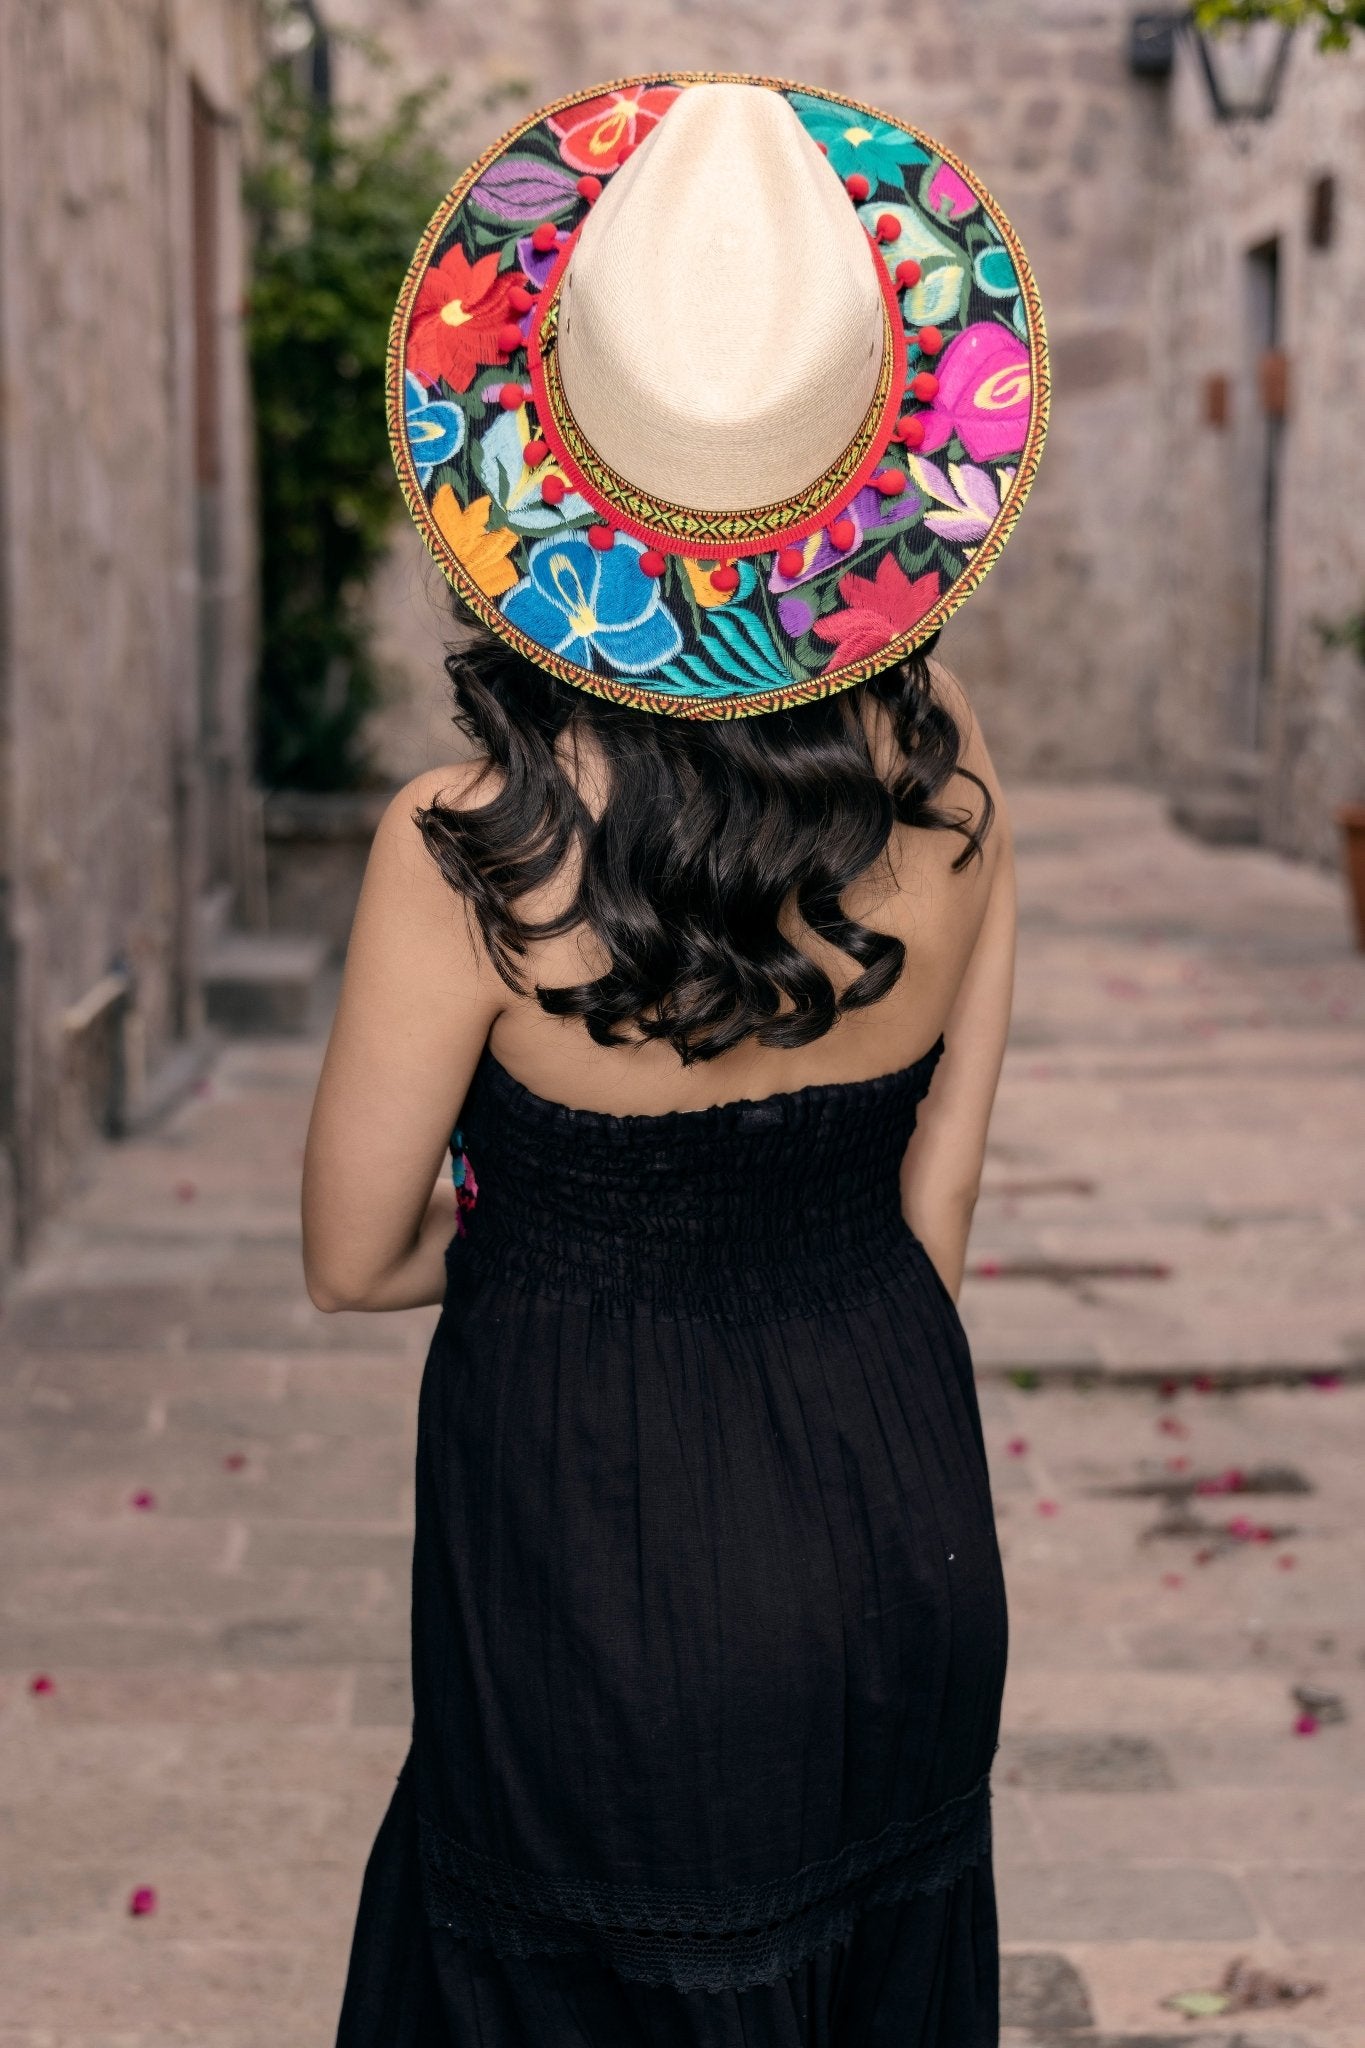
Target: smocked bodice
{"points": [[783, 1205]]}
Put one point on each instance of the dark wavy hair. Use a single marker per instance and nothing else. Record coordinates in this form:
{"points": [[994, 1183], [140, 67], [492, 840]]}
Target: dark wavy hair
{"points": [[710, 829]]}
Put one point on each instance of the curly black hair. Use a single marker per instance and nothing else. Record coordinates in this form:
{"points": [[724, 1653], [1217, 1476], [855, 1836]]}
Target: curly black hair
{"points": [[709, 829]]}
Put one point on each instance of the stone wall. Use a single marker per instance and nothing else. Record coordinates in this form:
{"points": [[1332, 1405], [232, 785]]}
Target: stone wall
{"points": [[126, 546], [1059, 648], [1232, 198]]}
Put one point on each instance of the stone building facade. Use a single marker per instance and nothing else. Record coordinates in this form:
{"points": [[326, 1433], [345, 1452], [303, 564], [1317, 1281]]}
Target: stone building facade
{"points": [[126, 558], [1118, 635]]}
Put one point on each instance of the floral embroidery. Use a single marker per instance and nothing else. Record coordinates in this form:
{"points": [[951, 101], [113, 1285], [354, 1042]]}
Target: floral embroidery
{"points": [[592, 136], [856, 141], [868, 511], [484, 554], [972, 496], [877, 609], [459, 308], [579, 601], [704, 590], [435, 428], [948, 196], [736, 652], [984, 393], [500, 463]]}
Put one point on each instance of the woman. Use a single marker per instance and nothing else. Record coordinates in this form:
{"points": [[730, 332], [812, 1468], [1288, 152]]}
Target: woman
{"points": [[708, 954]]}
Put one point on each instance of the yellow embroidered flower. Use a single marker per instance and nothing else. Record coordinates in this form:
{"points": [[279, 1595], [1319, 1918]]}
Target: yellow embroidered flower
{"points": [[483, 555], [703, 589]]}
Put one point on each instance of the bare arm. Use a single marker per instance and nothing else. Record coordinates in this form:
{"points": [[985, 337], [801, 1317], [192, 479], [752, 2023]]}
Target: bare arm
{"points": [[418, 997], [941, 1174]]}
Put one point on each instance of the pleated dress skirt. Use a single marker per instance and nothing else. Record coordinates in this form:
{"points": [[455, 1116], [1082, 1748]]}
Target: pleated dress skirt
{"points": [[709, 1624]]}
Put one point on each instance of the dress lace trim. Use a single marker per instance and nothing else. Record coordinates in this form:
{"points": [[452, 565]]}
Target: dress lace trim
{"points": [[730, 1938]]}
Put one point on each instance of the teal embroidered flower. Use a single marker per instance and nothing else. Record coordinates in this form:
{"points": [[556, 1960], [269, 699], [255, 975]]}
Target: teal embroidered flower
{"points": [[858, 142], [435, 427], [579, 601]]}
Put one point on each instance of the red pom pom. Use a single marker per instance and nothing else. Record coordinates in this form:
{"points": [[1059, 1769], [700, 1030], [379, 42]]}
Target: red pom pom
{"points": [[925, 385], [535, 452], [910, 430], [857, 187], [589, 189], [553, 490], [603, 538], [889, 482], [544, 238], [626, 149], [509, 396], [519, 300], [907, 274], [823, 148], [652, 562], [930, 340], [725, 578], [842, 534], [888, 228], [509, 337], [791, 562]]}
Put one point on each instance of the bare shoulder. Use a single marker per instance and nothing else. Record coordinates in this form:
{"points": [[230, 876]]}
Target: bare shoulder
{"points": [[404, 884], [974, 758]]}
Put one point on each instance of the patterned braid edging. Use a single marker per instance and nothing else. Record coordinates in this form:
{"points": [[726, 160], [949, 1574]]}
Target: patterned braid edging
{"points": [[731, 1938]]}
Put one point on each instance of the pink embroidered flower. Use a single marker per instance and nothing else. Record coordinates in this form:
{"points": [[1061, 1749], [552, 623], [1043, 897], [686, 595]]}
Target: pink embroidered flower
{"points": [[595, 135], [984, 393], [877, 610], [950, 196]]}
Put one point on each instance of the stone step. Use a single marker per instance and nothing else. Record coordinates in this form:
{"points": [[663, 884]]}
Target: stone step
{"points": [[268, 983]]}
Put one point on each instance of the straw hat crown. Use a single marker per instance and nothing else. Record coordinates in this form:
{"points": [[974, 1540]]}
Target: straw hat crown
{"points": [[722, 328]]}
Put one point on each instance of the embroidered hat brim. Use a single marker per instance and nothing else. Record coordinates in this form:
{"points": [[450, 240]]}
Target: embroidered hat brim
{"points": [[688, 612]]}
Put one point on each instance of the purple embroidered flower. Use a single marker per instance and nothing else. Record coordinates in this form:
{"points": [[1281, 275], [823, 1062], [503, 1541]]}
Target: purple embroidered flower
{"points": [[868, 510], [795, 615], [970, 495], [984, 393], [537, 265]]}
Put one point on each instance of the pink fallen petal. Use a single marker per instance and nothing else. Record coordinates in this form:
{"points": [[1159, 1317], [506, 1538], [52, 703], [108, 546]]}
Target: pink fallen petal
{"points": [[235, 1460], [1286, 1561], [1168, 1389], [1172, 1579], [1178, 1464], [1242, 1527], [986, 1269], [42, 1684], [1122, 985], [1327, 1382], [142, 1900], [1204, 1556], [1017, 1446], [1306, 1724], [185, 1191], [1048, 1507], [1263, 1534], [1203, 1383], [1171, 1425], [144, 1499]]}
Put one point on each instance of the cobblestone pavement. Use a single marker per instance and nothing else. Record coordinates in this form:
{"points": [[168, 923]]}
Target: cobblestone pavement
{"points": [[227, 1710]]}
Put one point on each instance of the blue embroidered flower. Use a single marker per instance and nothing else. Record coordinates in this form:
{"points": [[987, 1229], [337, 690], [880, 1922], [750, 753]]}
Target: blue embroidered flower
{"points": [[579, 601], [435, 427], [858, 142]]}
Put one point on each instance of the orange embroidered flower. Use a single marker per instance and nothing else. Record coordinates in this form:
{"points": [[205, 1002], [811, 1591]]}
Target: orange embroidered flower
{"points": [[593, 136], [481, 554], [459, 308]]}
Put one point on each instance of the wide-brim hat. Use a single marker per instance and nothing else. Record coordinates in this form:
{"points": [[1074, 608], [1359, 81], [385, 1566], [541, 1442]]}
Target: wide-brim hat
{"points": [[716, 394]]}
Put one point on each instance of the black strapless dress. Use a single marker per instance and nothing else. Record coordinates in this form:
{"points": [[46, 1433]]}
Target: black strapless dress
{"points": [[709, 1625]]}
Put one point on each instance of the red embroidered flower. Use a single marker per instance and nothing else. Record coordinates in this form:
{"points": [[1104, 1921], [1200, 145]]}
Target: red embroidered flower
{"points": [[878, 609], [460, 307], [595, 135]]}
